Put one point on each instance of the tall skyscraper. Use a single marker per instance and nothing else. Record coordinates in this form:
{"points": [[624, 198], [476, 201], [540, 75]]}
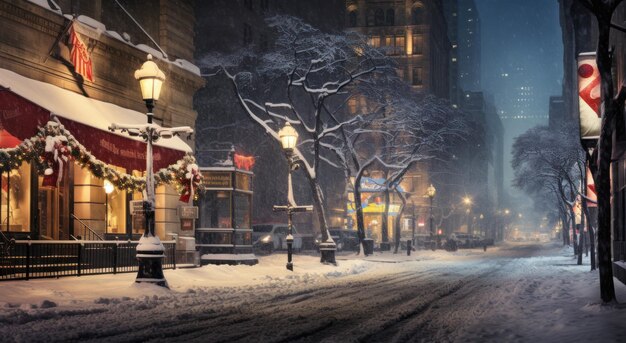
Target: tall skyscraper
{"points": [[469, 45]]}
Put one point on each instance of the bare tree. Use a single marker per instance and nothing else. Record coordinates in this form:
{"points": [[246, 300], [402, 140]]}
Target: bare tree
{"points": [[315, 71], [548, 161], [413, 128]]}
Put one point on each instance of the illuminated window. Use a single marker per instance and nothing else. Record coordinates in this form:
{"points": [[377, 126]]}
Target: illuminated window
{"points": [[374, 41], [399, 45], [389, 44], [15, 199], [352, 105]]}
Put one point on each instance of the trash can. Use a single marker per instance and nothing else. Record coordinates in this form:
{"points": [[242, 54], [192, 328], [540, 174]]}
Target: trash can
{"points": [[368, 246]]}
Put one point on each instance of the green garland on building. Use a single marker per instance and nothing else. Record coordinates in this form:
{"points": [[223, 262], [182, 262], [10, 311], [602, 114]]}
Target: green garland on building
{"points": [[32, 150]]}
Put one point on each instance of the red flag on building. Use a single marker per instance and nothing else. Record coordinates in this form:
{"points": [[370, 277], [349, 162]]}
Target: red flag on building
{"points": [[244, 162], [80, 56]]}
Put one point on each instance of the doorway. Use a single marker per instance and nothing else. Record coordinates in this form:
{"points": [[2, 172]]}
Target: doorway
{"points": [[54, 209]]}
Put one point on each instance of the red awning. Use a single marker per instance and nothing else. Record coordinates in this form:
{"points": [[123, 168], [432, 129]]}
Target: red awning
{"points": [[26, 104], [7, 140]]}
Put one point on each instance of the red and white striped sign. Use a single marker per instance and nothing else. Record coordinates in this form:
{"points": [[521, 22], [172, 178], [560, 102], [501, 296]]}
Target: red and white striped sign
{"points": [[80, 56], [589, 99], [591, 190]]}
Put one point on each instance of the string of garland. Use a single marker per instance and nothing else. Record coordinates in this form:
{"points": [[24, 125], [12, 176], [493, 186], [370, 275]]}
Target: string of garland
{"points": [[32, 150]]}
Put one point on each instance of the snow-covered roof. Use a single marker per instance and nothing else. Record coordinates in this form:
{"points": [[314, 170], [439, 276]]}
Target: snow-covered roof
{"points": [[101, 28], [78, 108]]}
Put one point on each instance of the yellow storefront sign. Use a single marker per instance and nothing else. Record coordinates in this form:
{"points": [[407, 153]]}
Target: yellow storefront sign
{"points": [[376, 208]]}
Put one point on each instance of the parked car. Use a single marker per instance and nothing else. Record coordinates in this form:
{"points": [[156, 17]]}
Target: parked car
{"points": [[270, 237], [344, 239], [463, 240]]}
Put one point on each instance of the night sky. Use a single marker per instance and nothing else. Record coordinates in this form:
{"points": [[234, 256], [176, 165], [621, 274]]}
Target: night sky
{"points": [[526, 34]]}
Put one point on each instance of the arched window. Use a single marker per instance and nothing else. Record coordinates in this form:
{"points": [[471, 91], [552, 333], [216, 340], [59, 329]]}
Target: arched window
{"points": [[417, 16], [370, 17], [390, 17], [379, 17], [352, 18]]}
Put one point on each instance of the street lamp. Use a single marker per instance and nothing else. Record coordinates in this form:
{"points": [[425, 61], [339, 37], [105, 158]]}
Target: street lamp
{"points": [[150, 250], [108, 189], [288, 139], [413, 226], [468, 202], [430, 192]]}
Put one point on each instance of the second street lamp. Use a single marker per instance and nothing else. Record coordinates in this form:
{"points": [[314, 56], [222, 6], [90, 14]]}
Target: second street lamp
{"points": [[288, 139], [430, 192], [468, 202]]}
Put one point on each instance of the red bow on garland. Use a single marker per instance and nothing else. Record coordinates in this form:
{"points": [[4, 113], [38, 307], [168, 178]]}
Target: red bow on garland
{"points": [[191, 182]]}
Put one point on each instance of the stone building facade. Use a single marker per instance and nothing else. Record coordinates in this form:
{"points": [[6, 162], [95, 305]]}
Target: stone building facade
{"points": [[35, 55], [414, 33]]}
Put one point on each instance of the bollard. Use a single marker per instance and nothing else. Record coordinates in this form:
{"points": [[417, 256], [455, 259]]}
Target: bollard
{"points": [[408, 247]]}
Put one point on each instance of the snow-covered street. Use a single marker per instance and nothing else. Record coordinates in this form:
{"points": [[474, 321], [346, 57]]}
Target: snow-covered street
{"points": [[515, 292]]}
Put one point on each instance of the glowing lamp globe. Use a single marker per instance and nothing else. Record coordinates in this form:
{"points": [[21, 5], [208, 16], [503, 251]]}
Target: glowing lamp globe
{"points": [[108, 187], [150, 79], [431, 191], [288, 137]]}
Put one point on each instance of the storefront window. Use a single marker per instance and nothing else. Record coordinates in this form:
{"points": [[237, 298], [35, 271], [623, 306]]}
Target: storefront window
{"points": [[115, 203], [116, 211], [15, 200], [215, 210], [138, 220]]}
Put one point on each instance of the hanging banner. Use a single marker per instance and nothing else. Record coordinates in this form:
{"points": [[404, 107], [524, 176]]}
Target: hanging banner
{"points": [[591, 191], [589, 99], [79, 54]]}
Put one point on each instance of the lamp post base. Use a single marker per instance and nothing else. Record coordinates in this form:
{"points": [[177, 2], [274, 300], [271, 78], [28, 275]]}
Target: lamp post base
{"points": [[289, 251], [150, 253], [327, 250]]}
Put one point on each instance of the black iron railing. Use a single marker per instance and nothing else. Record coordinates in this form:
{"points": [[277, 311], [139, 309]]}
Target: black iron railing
{"points": [[44, 259], [88, 233]]}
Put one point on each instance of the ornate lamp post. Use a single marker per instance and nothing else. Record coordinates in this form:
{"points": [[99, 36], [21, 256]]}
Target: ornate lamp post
{"points": [[430, 192], [150, 250], [288, 139], [108, 189], [468, 202], [413, 226]]}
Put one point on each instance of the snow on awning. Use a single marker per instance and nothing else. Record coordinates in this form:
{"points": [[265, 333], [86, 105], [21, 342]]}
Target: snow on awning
{"points": [[375, 185], [80, 115]]}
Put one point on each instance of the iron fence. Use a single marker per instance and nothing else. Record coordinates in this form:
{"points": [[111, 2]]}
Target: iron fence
{"points": [[23, 260]]}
